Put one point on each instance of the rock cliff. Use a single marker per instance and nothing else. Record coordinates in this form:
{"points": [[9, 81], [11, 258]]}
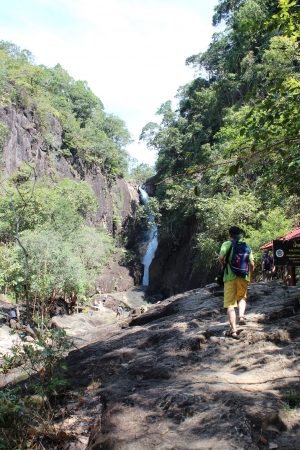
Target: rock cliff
{"points": [[118, 201], [175, 267], [26, 144], [151, 186], [172, 270]]}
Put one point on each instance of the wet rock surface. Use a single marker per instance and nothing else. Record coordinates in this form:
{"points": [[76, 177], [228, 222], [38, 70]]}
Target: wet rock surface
{"points": [[171, 380]]}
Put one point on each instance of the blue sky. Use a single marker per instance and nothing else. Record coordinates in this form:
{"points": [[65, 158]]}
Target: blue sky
{"points": [[131, 52]]}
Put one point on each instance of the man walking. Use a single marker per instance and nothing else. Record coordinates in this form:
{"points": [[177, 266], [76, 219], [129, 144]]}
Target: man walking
{"points": [[236, 279], [119, 311], [267, 266], [12, 314]]}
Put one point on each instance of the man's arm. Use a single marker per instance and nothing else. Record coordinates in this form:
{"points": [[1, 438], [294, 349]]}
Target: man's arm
{"points": [[222, 260]]}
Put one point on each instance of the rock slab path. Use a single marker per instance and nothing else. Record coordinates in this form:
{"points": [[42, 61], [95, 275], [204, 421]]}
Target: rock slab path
{"points": [[173, 381]]}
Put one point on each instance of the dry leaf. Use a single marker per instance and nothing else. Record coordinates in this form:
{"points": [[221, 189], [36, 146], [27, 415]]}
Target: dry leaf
{"points": [[61, 434], [32, 432], [264, 440]]}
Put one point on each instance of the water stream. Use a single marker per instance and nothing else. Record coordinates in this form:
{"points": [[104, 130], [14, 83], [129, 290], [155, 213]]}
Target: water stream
{"points": [[152, 240]]}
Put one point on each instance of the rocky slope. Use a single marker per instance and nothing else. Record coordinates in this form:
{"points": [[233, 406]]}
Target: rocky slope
{"points": [[173, 381], [169, 379]]}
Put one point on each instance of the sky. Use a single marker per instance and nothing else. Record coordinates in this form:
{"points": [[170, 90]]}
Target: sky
{"points": [[131, 52]]}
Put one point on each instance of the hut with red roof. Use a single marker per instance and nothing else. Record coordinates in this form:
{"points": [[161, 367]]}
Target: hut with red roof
{"points": [[293, 235]]}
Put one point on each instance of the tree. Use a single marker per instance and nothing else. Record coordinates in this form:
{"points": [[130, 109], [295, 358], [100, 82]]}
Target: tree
{"points": [[141, 173], [235, 134], [58, 253]]}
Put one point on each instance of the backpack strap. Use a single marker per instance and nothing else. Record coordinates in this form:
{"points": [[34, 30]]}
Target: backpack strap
{"points": [[226, 260]]}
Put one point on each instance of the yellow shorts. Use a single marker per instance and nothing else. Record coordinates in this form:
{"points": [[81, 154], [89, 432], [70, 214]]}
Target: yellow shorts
{"points": [[234, 291]]}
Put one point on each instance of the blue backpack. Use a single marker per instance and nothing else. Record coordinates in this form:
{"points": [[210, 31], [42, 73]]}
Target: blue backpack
{"points": [[239, 262]]}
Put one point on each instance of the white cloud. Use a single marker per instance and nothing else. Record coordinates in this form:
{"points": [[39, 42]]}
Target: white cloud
{"points": [[131, 52]]}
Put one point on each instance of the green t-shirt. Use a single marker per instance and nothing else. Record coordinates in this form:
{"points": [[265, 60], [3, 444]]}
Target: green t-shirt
{"points": [[228, 274]]}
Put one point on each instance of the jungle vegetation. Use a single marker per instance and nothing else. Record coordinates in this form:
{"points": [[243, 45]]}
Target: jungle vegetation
{"points": [[229, 152], [48, 247]]}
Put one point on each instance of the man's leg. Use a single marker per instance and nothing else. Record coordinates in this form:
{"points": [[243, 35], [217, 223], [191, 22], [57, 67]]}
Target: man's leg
{"points": [[242, 307], [269, 275], [264, 274], [230, 303], [232, 318], [242, 286]]}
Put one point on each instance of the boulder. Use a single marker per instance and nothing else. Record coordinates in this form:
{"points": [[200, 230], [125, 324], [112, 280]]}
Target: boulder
{"points": [[13, 323], [29, 330], [136, 312]]}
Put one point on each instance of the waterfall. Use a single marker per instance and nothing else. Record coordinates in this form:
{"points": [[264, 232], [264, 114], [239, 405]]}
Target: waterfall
{"points": [[151, 240]]}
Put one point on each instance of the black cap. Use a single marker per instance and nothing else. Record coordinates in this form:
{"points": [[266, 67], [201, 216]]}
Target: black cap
{"points": [[235, 232]]}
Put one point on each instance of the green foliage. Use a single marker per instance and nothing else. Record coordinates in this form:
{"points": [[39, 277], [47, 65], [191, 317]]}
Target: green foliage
{"points": [[98, 138], [63, 254], [274, 224], [229, 155], [215, 215], [43, 362], [64, 205], [291, 399], [59, 264], [12, 270], [104, 141], [146, 214], [141, 173], [4, 133], [93, 247], [12, 414], [53, 267]]}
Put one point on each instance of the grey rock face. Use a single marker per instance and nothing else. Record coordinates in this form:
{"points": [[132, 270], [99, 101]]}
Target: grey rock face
{"points": [[172, 270], [25, 144], [151, 186]]}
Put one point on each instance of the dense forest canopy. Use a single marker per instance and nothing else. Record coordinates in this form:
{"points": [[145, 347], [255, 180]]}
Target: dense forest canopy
{"points": [[229, 153]]}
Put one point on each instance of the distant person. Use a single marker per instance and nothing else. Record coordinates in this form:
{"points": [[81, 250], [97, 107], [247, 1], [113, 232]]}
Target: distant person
{"points": [[237, 262], [275, 272], [119, 311], [99, 304], [12, 314], [267, 266]]}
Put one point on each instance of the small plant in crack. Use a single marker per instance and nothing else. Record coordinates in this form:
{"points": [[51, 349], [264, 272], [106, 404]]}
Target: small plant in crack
{"points": [[291, 399]]}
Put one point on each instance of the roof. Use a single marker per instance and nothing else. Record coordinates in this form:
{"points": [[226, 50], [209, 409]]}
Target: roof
{"points": [[294, 234]]}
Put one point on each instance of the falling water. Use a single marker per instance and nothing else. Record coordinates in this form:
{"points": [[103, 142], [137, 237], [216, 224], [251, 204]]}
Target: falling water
{"points": [[151, 239]]}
